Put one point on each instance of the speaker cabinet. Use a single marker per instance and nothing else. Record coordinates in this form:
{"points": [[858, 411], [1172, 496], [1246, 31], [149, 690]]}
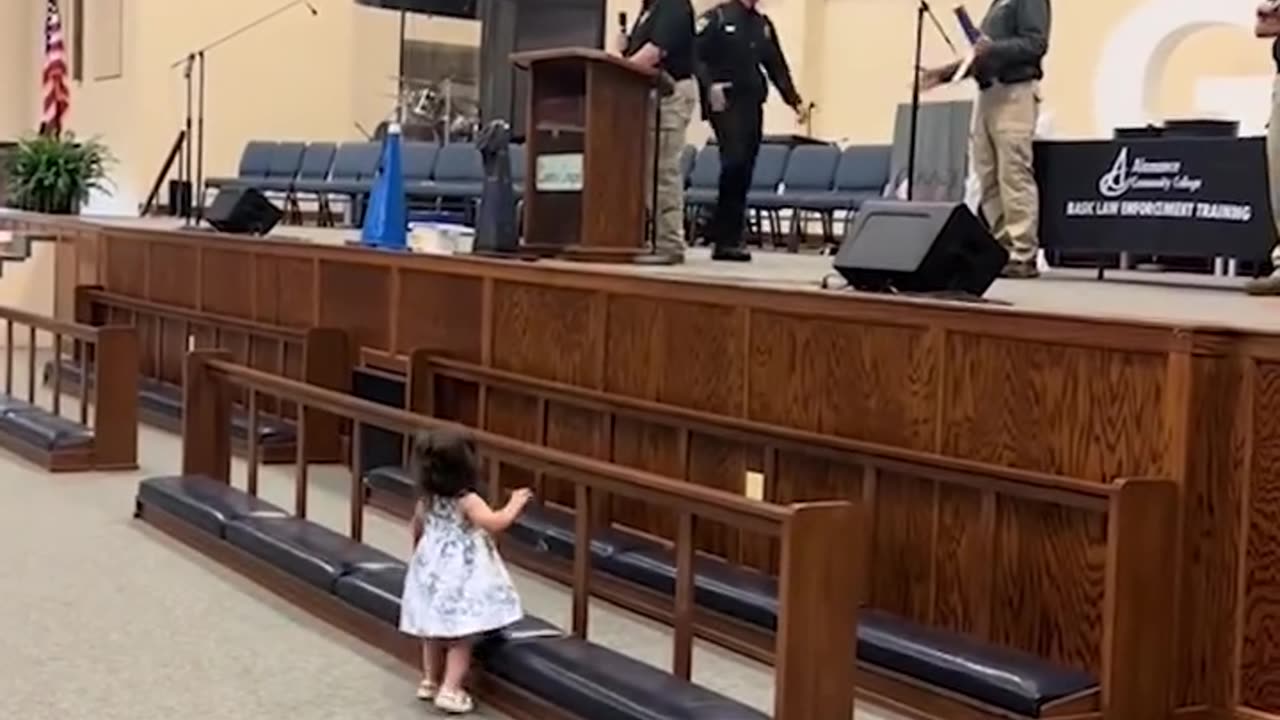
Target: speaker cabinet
{"points": [[242, 211], [919, 247]]}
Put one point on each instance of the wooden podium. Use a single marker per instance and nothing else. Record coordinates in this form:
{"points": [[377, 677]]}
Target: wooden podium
{"points": [[587, 145]]}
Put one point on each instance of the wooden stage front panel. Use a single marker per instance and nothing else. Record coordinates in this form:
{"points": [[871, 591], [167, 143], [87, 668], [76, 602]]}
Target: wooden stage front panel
{"points": [[1079, 397]]}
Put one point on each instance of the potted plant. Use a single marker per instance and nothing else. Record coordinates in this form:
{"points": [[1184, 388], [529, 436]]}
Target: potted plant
{"points": [[55, 175]]}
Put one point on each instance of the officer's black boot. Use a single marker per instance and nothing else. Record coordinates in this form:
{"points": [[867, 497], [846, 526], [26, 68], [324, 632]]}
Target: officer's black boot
{"points": [[731, 253]]}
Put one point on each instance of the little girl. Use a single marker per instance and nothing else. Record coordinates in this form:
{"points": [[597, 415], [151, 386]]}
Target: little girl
{"points": [[456, 587]]}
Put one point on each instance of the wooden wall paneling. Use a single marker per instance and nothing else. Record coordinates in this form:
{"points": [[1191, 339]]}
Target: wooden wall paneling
{"points": [[702, 357], [148, 331], [720, 464], [902, 557], [1213, 488], [796, 478], [172, 273], [126, 266], [65, 279], [441, 313], [354, 298], [1259, 663], [456, 400], [547, 332], [227, 282], [580, 431], [658, 449], [868, 382], [634, 356], [173, 347], [283, 288], [516, 416], [1050, 565], [1077, 411], [963, 545]]}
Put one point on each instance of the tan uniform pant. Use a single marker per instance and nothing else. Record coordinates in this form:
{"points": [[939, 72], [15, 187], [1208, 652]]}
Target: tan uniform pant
{"points": [[676, 113], [1273, 163], [1004, 125]]}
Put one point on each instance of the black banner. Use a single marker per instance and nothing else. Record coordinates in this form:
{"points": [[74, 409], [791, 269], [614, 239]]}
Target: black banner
{"points": [[1202, 197]]}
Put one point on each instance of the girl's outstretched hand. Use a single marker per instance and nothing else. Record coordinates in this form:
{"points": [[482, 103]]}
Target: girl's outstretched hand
{"points": [[519, 498]]}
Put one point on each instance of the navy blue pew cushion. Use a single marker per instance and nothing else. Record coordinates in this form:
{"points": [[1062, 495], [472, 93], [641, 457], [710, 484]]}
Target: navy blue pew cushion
{"points": [[375, 590], [43, 429], [590, 681], [1008, 679], [551, 530], [307, 551], [391, 479], [728, 589], [204, 502]]}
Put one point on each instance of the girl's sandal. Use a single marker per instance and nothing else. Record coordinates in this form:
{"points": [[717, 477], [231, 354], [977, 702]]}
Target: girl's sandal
{"points": [[455, 703], [427, 690]]}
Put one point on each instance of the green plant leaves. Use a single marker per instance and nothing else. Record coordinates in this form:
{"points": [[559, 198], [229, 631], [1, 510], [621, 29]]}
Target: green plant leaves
{"points": [[57, 175]]}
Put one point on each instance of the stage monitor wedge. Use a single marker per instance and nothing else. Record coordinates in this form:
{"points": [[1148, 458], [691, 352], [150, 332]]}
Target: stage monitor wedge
{"points": [[919, 247], [242, 211]]}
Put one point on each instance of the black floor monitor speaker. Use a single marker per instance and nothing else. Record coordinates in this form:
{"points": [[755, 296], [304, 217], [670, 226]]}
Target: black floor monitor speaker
{"points": [[242, 210], [919, 247]]}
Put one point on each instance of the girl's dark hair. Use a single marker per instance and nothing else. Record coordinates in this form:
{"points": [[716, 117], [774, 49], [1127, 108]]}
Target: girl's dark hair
{"points": [[444, 463]]}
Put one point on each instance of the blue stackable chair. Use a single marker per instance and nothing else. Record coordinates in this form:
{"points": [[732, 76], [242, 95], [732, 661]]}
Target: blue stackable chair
{"points": [[282, 170], [420, 160], [459, 172], [862, 175], [687, 158], [255, 162], [355, 165], [771, 165], [809, 180], [316, 163], [703, 189]]}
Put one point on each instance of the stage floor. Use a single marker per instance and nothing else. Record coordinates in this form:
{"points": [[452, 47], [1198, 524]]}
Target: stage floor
{"points": [[1169, 298]]}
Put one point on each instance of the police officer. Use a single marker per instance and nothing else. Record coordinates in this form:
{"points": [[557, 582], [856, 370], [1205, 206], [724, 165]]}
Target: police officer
{"points": [[735, 42], [1007, 65], [663, 39]]}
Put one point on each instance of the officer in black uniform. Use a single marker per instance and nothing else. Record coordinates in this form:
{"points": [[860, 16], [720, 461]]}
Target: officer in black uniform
{"points": [[735, 42]]}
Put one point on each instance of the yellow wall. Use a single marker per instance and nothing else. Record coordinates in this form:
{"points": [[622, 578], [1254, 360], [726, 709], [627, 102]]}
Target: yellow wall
{"points": [[307, 77]]}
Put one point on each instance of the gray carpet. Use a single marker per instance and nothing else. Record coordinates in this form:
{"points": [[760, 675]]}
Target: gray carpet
{"points": [[103, 618]]}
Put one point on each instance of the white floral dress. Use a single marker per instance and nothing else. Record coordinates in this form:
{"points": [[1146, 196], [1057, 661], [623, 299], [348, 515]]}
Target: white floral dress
{"points": [[456, 585]]}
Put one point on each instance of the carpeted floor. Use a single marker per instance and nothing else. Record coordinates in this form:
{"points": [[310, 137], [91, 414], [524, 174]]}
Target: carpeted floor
{"points": [[103, 618]]}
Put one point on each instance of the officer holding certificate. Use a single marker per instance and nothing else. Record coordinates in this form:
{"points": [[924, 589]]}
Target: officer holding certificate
{"points": [[1008, 52], [735, 41]]}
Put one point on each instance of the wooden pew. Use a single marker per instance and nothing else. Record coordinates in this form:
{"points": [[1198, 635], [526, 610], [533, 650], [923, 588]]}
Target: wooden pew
{"points": [[817, 599], [316, 355], [104, 434], [1076, 572]]}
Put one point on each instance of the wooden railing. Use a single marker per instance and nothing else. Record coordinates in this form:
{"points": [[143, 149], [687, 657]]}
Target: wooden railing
{"points": [[957, 545], [817, 588], [166, 333], [108, 360]]}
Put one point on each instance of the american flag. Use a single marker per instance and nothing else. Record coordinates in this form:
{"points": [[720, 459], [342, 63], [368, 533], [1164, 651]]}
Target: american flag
{"points": [[56, 95]]}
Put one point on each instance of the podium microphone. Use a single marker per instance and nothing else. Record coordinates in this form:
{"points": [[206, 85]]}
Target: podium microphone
{"points": [[312, 8]]}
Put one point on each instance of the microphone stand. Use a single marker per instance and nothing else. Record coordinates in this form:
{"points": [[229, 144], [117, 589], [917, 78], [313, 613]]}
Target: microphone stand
{"points": [[196, 59], [921, 10]]}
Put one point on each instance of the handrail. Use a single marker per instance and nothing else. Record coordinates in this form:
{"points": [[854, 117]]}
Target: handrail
{"points": [[233, 323], [886, 457], [766, 518], [88, 333]]}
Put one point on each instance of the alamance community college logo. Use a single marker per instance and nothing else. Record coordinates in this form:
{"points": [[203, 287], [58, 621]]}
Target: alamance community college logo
{"points": [[1149, 177], [1144, 174]]}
